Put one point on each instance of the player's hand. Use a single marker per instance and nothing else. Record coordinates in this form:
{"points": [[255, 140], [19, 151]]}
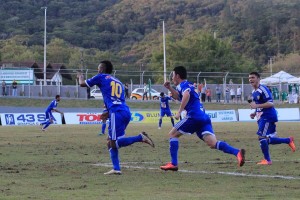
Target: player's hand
{"points": [[177, 116], [252, 115], [104, 116], [79, 75], [167, 84]]}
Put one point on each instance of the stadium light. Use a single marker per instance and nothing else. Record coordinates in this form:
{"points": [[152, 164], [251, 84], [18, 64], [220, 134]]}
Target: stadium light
{"points": [[45, 45], [164, 44]]}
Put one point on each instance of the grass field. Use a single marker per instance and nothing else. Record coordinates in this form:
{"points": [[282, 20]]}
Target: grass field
{"points": [[68, 162]]}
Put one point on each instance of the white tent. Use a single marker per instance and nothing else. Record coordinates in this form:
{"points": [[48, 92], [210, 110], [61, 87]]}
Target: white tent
{"points": [[294, 80], [278, 78]]}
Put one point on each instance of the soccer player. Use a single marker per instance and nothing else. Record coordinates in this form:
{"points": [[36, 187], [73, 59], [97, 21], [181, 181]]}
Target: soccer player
{"points": [[266, 115], [119, 115], [195, 121], [49, 117], [164, 109]]}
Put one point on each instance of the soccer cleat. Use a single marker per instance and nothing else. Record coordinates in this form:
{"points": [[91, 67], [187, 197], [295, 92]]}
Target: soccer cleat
{"points": [[113, 172], [264, 162], [43, 129], [169, 166], [147, 139], [241, 157], [159, 127], [292, 144]]}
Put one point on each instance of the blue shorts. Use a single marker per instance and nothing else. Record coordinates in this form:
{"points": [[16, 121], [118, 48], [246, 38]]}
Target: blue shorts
{"points": [[118, 122], [49, 116], [164, 112], [266, 129], [201, 126]]}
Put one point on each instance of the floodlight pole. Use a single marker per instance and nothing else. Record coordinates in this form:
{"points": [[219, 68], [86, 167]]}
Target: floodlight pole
{"points": [[45, 45], [164, 44]]}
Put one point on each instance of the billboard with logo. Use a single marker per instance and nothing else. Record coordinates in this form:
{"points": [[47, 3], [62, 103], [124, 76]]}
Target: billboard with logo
{"points": [[24, 119]]}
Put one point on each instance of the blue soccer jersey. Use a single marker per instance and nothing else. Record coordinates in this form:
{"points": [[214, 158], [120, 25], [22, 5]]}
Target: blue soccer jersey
{"points": [[51, 106], [262, 95], [193, 108], [164, 102], [112, 89]]}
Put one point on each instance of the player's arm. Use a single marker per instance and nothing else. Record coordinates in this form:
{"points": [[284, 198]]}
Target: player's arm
{"points": [[81, 79], [184, 101], [174, 92], [57, 111]]}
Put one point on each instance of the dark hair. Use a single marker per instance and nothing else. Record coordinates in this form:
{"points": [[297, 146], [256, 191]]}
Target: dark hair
{"points": [[162, 94], [181, 71], [108, 66], [255, 73], [57, 96]]}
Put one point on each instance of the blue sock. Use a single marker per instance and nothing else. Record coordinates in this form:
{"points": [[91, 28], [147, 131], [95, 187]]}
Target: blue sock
{"points": [[114, 156], [103, 128], [279, 140], [160, 122], [172, 121], [226, 148], [174, 146], [126, 141], [46, 125], [265, 148]]}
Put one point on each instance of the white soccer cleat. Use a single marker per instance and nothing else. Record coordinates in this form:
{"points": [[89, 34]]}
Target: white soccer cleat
{"points": [[147, 139], [113, 172]]}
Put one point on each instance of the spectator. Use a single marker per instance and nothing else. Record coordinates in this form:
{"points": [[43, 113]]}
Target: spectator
{"points": [[146, 90], [227, 92], [126, 91], [239, 94], [232, 94], [208, 94], [203, 93], [230, 82], [3, 88], [218, 93], [200, 85], [14, 86]]}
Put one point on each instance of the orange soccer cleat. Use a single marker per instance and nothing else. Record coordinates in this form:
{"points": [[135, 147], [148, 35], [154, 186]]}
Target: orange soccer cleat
{"points": [[241, 157], [292, 144], [264, 162], [169, 166]]}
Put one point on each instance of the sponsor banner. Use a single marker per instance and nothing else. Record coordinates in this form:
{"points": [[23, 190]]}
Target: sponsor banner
{"points": [[24, 119], [21, 76], [222, 115], [284, 114], [83, 118]]}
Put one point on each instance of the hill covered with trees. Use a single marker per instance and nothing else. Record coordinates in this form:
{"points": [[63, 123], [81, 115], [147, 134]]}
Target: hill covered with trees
{"points": [[219, 35]]}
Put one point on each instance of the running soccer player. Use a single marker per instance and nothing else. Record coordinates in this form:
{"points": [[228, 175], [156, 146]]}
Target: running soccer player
{"points": [[119, 115], [266, 116], [195, 121], [164, 109], [49, 117]]}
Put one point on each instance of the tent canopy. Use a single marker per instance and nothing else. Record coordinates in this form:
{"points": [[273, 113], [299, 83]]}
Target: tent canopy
{"points": [[294, 80], [278, 78]]}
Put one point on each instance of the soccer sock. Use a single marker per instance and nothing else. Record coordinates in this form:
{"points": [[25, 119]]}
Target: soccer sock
{"points": [[160, 122], [114, 156], [265, 148], [226, 148], [46, 125], [174, 146], [103, 128], [279, 140], [172, 120], [126, 141]]}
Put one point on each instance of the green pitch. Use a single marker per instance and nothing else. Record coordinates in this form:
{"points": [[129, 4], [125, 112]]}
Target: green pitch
{"points": [[68, 162]]}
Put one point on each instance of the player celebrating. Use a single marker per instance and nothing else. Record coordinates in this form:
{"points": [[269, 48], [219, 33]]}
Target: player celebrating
{"points": [[113, 92], [266, 115], [49, 117], [164, 109], [195, 121]]}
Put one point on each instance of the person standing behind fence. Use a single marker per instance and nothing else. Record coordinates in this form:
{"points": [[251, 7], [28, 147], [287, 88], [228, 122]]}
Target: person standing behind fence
{"points": [[218, 93], [239, 94], [232, 94], [208, 94], [3, 88], [227, 93], [146, 89], [126, 91], [203, 93], [14, 88]]}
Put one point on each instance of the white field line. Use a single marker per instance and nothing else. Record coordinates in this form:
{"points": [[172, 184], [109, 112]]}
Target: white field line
{"points": [[128, 166]]}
